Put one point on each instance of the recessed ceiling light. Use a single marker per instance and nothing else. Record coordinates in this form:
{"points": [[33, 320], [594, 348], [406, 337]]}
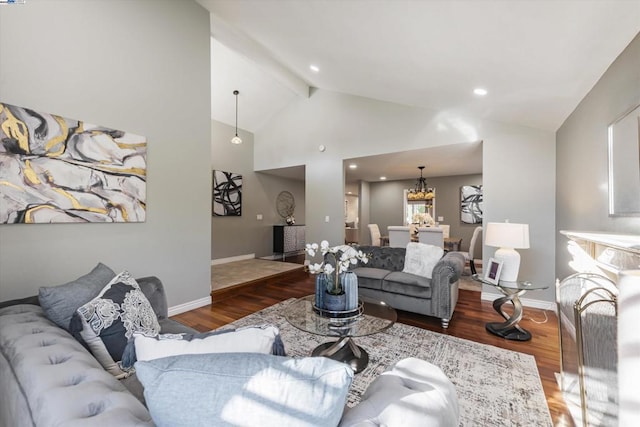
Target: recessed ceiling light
{"points": [[353, 166], [382, 178], [480, 91], [314, 68]]}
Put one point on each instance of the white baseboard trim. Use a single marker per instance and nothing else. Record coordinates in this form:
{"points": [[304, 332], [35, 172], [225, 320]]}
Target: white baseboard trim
{"points": [[232, 259], [526, 302], [187, 306]]}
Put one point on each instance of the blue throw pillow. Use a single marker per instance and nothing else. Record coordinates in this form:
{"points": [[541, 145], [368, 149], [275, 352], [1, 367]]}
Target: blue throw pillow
{"points": [[244, 389]]}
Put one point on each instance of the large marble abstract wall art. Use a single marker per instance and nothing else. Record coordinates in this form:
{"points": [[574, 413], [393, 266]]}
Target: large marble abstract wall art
{"points": [[227, 194], [54, 169]]}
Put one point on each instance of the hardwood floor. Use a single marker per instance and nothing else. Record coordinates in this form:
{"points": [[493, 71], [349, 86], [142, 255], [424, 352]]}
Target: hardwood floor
{"points": [[468, 322]]}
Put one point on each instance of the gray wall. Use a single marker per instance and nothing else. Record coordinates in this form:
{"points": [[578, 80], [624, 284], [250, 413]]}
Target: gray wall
{"points": [[141, 66], [386, 204], [582, 194], [244, 235], [518, 163]]}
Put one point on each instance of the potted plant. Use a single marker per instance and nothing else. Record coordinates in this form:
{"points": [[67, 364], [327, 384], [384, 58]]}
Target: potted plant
{"points": [[336, 263]]}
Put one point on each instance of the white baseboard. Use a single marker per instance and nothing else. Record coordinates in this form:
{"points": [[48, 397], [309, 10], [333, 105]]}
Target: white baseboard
{"points": [[232, 259], [187, 306], [526, 302]]}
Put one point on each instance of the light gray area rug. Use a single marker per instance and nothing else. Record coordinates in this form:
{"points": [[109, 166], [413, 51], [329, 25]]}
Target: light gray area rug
{"points": [[495, 387]]}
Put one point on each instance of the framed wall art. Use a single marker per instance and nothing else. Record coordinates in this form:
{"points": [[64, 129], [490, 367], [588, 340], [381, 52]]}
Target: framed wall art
{"points": [[471, 204], [59, 170], [227, 193]]}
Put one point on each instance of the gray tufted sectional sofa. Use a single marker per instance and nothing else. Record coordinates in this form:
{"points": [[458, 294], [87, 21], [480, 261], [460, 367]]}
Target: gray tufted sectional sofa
{"points": [[382, 279], [47, 378]]}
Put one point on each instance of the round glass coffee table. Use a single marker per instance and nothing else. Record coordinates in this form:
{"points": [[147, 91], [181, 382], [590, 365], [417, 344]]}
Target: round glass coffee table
{"points": [[376, 317]]}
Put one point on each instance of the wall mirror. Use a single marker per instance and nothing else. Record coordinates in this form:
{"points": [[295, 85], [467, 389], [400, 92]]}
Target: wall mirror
{"points": [[624, 164]]}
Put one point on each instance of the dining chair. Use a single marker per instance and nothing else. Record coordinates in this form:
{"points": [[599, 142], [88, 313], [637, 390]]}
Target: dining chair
{"points": [[468, 256], [375, 234], [431, 236], [399, 236]]}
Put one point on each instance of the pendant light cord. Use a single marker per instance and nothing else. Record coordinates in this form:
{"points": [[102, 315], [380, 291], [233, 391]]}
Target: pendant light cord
{"points": [[235, 92]]}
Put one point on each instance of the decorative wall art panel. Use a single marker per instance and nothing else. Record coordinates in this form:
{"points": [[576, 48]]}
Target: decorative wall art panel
{"points": [[55, 169], [471, 204], [227, 194]]}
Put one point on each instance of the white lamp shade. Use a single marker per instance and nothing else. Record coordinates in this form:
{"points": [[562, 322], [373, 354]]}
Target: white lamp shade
{"points": [[507, 235]]}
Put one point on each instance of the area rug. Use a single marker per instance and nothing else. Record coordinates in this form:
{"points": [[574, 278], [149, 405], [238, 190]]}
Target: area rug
{"points": [[496, 387]]}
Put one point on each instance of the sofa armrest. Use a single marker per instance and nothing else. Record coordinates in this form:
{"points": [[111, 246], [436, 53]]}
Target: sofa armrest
{"points": [[450, 267], [445, 274]]}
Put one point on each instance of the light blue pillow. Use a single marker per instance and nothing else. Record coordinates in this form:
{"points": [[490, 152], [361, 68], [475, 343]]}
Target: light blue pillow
{"points": [[244, 389]]}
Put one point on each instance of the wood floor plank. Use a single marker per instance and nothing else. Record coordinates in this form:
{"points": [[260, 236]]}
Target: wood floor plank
{"points": [[468, 322]]}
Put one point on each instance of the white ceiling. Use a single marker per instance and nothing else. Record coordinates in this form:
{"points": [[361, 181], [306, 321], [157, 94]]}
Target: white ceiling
{"points": [[536, 58]]}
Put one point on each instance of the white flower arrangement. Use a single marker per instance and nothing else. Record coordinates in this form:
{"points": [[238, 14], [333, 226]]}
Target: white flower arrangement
{"points": [[423, 218], [348, 256]]}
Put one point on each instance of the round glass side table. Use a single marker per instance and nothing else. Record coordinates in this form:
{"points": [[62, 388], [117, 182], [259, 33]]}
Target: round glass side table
{"points": [[509, 329]]}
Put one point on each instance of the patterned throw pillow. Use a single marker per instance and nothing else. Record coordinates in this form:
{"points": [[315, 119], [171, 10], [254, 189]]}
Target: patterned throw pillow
{"points": [[106, 323]]}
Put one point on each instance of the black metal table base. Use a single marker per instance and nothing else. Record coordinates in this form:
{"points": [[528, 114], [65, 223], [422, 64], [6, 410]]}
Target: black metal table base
{"points": [[345, 351], [514, 333], [509, 329]]}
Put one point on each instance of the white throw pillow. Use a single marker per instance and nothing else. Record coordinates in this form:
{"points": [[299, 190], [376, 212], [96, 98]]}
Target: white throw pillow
{"points": [[252, 339], [420, 259]]}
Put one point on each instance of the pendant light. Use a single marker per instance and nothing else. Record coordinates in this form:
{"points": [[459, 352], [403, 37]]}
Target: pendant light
{"points": [[236, 139]]}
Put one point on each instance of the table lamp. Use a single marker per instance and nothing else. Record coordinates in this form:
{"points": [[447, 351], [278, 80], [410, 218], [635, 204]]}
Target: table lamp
{"points": [[508, 237]]}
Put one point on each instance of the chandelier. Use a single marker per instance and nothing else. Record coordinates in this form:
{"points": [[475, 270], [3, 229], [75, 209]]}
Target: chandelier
{"points": [[420, 192]]}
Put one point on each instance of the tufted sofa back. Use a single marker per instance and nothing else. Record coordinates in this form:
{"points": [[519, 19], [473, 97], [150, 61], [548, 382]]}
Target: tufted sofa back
{"points": [[384, 257]]}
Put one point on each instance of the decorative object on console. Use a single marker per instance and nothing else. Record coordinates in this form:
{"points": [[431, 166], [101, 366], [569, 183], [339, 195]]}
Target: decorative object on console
{"points": [[63, 170], [336, 262], [286, 205], [236, 139], [421, 192], [227, 193], [508, 237], [471, 204]]}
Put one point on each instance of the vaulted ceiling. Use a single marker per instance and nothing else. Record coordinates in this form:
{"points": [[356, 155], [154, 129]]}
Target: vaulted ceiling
{"points": [[536, 59]]}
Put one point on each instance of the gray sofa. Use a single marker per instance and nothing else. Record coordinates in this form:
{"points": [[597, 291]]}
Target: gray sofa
{"points": [[382, 279], [47, 378]]}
